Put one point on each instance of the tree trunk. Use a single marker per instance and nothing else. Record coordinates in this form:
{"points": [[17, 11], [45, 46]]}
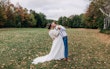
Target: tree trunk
{"points": [[106, 19], [104, 23], [109, 22]]}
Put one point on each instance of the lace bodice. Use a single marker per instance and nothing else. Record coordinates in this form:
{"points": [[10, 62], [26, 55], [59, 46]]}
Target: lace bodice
{"points": [[53, 33]]}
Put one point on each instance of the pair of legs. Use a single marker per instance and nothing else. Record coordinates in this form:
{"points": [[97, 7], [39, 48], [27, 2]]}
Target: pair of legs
{"points": [[65, 40]]}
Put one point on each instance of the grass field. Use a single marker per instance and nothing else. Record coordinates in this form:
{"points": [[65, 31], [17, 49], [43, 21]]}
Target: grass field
{"points": [[88, 49]]}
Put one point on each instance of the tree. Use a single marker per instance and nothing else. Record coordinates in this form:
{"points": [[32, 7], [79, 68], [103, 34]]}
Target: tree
{"points": [[104, 7], [63, 21], [93, 17], [43, 20], [60, 20], [69, 23], [32, 18], [2, 17], [50, 20], [9, 10], [2, 14], [75, 21]]}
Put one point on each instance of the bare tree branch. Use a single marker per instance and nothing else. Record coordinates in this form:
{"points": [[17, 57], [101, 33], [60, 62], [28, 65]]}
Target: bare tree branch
{"points": [[103, 12]]}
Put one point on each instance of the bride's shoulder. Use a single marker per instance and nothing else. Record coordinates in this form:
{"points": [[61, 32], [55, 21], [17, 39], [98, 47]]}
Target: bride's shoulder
{"points": [[52, 31]]}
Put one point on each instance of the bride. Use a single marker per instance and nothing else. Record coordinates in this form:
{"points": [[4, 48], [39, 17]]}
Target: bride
{"points": [[57, 49]]}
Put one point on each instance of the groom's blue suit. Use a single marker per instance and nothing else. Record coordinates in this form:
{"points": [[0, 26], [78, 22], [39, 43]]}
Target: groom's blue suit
{"points": [[65, 39]]}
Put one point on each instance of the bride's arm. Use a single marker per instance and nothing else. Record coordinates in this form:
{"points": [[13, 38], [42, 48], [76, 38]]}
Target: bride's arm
{"points": [[52, 34], [56, 33]]}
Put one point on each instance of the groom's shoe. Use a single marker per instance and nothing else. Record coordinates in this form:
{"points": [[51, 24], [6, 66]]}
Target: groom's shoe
{"points": [[66, 59]]}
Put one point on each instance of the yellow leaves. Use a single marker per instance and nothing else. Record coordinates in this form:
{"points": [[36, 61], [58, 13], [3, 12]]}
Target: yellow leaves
{"points": [[2, 66], [29, 57], [24, 58], [56, 65], [14, 49], [32, 66], [23, 63]]}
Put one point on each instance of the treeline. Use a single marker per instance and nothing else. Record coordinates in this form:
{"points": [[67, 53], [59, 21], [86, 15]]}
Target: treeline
{"points": [[74, 21], [17, 16], [96, 16], [83, 21]]}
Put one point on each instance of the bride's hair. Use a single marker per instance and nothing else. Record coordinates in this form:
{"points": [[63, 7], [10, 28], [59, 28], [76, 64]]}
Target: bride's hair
{"points": [[49, 26]]}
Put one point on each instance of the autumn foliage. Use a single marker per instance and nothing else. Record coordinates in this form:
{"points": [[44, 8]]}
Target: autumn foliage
{"points": [[17, 16]]}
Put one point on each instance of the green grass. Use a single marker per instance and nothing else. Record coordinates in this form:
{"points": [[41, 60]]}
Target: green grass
{"points": [[19, 46]]}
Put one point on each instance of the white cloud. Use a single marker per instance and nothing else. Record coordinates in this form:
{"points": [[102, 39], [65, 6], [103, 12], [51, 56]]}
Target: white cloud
{"points": [[53, 9]]}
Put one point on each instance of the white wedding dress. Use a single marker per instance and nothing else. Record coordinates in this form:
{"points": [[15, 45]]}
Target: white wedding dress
{"points": [[57, 50]]}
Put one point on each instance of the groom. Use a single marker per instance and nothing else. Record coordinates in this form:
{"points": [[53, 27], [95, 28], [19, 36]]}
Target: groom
{"points": [[64, 36]]}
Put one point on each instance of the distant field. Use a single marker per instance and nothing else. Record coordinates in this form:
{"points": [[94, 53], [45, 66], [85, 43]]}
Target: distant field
{"points": [[88, 49]]}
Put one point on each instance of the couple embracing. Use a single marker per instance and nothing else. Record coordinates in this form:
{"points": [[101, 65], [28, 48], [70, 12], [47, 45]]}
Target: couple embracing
{"points": [[59, 49]]}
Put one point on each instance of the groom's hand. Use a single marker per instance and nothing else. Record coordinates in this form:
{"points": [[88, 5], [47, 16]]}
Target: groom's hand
{"points": [[59, 27]]}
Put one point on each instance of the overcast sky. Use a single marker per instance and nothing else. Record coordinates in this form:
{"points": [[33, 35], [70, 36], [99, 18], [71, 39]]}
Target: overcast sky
{"points": [[53, 9]]}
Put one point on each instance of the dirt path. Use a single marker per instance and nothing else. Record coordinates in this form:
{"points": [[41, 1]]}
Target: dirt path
{"points": [[103, 37], [100, 36]]}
